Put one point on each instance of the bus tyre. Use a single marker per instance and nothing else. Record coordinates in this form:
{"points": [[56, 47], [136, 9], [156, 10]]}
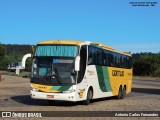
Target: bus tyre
{"points": [[89, 97], [119, 96], [123, 92], [51, 102]]}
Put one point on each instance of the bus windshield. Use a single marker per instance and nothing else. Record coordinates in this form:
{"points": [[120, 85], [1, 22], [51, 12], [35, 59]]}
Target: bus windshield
{"points": [[54, 65], [53, 71], [56, 50]]}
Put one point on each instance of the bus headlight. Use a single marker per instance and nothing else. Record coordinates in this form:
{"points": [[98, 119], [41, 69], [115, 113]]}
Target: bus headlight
{"points": [[69, 91], [34, 89]]}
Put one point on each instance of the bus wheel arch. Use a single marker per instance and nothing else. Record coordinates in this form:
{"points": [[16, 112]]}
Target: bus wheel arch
{"points": [[88, 96]]}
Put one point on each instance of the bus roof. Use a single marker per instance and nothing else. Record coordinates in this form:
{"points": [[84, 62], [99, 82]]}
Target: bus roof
{"points": [[65, 42], [78, 43]]}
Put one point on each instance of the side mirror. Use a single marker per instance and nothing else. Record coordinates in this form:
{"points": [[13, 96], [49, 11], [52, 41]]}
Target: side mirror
{"points": [[77, 63], [24, 59]]}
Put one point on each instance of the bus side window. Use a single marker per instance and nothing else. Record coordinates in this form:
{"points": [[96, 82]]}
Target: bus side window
{"points": [[99, 57], [95, 56], [124, 61], [118, 60], [115, 60], [107, 58], [112, 59], [121, 61], [91, 56], [130, 62], [83, 58]]}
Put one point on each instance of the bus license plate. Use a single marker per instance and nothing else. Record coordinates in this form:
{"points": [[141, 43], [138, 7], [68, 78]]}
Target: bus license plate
{"points": [[50, 96]]}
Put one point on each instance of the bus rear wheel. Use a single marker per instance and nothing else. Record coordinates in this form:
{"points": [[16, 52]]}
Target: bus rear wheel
{"points": [[119, 96], [123, 92], [88, 98]]}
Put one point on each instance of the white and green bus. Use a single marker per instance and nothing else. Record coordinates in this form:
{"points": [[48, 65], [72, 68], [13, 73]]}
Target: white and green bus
{"points": [[79, 71]]}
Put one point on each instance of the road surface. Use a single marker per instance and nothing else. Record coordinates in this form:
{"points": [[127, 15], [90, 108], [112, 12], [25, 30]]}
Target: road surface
{"points": [[15, 96]]}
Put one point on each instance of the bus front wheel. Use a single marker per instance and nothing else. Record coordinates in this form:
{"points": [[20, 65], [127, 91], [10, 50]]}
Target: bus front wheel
{"points": [[89, 97]]}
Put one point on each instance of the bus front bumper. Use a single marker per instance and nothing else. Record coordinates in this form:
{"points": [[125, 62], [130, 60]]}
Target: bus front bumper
{"points": [[53, 96]]}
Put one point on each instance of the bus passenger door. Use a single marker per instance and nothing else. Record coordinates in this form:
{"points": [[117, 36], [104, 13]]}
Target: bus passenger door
{"points": [[82, 81]]}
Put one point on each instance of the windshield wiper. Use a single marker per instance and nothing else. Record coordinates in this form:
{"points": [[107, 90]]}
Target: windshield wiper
{"points": [[57, 75]]}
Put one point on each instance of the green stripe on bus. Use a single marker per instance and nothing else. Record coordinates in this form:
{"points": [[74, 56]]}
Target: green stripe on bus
{"points": [[106, 78], [55, 87], [64, 88], [101, 78], [61, 88]]}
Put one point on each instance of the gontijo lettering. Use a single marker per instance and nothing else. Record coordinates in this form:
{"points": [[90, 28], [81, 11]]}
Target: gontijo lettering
{"points": [[117, 73]]}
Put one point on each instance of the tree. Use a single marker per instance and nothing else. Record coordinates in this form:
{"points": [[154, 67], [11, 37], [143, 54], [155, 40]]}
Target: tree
{"points": [[2, 51], [146, 64], [4, 62], [28, 64]]}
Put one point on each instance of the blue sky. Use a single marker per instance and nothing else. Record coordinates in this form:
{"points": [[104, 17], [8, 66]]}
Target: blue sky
{"points": [[112, 22]]}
